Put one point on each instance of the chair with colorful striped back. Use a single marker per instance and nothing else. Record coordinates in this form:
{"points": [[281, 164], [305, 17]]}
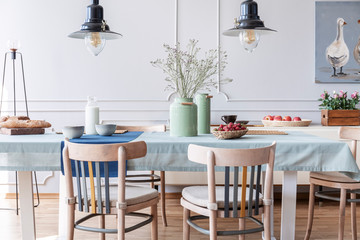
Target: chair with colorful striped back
{"points": [[91, 167], [230, 200]]}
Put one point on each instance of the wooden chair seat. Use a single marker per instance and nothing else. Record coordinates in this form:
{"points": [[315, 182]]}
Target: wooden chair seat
{"points": [[198, 195], [332, 177], [133, 195]]}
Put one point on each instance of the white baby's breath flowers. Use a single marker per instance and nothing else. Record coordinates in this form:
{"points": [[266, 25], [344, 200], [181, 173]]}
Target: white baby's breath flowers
{"points": [[186, 74]]}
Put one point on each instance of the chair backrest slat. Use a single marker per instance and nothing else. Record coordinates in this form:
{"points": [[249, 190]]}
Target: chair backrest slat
{"points": [[78, 185], [230, 157], [105, 152], [84, 188], [258, 189], [243, 191], [349, 133], [226, 192], [251, 192], [107, 187], [98, 187], [92, 187], [236, 190], [353, 134]]}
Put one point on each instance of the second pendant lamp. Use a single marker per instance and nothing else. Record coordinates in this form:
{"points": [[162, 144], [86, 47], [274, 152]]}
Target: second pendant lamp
{"points": [[248, 26], [95, 31]]}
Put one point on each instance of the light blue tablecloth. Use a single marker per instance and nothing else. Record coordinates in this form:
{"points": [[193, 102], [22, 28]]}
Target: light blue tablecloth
{"points": [[296, 151], [30, 152]]}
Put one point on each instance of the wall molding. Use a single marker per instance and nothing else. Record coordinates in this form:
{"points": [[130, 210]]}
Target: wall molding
{"points": [[167, 110], [154, 100]]}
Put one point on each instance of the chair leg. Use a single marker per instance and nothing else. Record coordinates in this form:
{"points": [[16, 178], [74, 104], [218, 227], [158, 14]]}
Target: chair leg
{"points": [[311, 211], [213, 225], [121, 224], [267, 223], [353, 217], [102, 225], [342, 214], [163, 206], [242, 227], [152, 185], [70, 221], [154, 223], [186, 227]]}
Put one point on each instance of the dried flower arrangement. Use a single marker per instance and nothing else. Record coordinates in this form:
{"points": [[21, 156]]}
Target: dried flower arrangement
{"points": [[186, 73]]}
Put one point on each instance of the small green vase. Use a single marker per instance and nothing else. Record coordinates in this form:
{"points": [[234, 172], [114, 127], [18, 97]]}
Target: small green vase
{"points": [[183, 118], [203, 104]]}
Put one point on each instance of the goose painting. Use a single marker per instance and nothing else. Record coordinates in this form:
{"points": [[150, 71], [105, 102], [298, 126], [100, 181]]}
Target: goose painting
{"points": [[357, 50], [337, 29], [337, 53]]}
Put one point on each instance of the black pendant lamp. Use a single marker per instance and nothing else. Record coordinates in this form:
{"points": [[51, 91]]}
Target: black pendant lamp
{"points": [[248, 27], [95, 31]]}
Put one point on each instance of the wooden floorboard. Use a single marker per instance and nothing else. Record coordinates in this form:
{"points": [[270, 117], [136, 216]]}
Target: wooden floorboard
{"points": [[325, 223]]}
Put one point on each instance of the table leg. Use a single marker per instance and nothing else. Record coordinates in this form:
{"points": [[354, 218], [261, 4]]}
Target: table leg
{"points": [[26, 205], [288, 205], [62, 209]]}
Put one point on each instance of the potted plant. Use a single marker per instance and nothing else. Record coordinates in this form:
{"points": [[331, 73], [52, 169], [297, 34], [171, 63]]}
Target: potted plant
{"points": [[187, 73], [339, 110]]}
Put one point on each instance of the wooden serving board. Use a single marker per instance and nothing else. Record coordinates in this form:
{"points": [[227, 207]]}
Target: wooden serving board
{"points": [[21, 131], [265, 132]]}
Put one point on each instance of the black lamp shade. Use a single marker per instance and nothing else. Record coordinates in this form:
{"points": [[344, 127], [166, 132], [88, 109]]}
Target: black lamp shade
{"points": [[248, 20], [95, 23]]}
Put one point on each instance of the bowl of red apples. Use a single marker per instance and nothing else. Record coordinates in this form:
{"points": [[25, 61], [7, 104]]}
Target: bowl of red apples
{"points": [[230, 131], [287, 121]]}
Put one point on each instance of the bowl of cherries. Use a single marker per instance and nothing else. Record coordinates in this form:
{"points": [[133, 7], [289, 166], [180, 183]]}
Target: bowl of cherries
{"points": [[230, 131]]}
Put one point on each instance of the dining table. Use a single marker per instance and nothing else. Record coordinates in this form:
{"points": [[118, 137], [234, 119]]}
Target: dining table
{"points": [[296, 151]]}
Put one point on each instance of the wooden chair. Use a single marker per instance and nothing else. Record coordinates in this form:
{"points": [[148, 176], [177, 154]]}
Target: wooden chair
{"points": [[152, 177], [338, 181], [215, 202], [91, 162]]}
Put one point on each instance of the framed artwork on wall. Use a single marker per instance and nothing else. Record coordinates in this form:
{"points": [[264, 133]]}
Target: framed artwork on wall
{"points": [[337, 42]]}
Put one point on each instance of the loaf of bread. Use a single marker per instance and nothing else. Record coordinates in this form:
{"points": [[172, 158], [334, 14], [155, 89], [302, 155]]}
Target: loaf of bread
{"points": [[25, 124], [6, 118]]}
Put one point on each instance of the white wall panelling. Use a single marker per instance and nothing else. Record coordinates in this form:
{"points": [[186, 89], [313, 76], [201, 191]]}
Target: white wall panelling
{"points": [[277, 78]]}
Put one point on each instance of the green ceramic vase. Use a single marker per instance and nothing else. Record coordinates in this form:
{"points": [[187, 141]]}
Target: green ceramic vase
{"points": [[203, 109], [183, 118]]}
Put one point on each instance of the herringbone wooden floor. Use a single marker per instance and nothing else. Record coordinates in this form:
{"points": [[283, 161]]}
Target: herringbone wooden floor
{"points": [[325, 223]]}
